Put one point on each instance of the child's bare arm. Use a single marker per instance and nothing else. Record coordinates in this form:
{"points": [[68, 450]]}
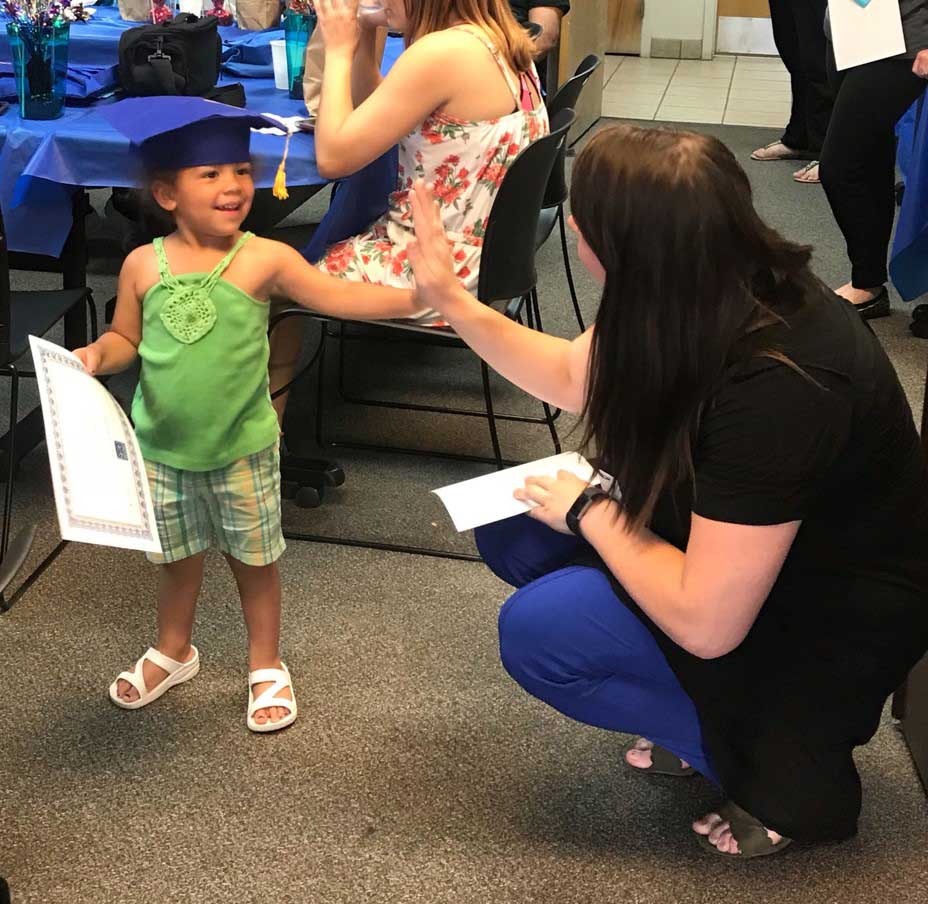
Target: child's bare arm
{"points": [[300, 281], [117, 348]]}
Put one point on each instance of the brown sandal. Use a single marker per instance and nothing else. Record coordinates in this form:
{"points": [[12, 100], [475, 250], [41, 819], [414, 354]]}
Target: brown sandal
{"points": [[753, 840], [789, 154], [663, 762]]}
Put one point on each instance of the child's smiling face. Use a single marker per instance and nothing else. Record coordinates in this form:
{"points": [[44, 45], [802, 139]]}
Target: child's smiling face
{"points": [[212, 200]]}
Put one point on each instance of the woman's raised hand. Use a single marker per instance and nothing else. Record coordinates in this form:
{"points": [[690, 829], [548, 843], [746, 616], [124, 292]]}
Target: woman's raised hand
{"points": [[430, 253], [338, 20]]}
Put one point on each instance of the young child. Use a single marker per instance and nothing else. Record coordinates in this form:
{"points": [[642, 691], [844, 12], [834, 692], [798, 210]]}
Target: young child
{"points": [[194, 308]]}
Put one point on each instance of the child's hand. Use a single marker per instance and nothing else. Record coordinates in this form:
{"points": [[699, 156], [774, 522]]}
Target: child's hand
{"points": [[430, 253], [89, 357]]}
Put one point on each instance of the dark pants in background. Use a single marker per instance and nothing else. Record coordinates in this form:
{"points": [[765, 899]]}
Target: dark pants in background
{"points": [[799, 33], [858, 162]]}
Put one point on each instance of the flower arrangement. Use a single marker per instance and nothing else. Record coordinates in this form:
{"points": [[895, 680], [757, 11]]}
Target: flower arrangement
{"points": [[45, 13], [301, 7], [220, 12], [161, 12]]}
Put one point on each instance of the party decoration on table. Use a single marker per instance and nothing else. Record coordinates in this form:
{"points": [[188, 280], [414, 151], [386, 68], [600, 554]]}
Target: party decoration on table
{"points": [[135, 10], [38, 31], [223, 16], [161, 12], [257, 15]]}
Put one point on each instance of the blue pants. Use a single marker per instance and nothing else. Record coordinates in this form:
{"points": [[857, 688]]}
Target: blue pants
{"points": [[570, 641]]}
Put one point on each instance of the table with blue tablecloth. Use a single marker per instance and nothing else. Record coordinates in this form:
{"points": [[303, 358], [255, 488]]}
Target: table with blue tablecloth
{"points": [[43, 163]]}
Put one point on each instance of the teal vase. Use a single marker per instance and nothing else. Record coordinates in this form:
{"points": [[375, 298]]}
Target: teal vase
{"points": [[40, 67], [298, 28]]}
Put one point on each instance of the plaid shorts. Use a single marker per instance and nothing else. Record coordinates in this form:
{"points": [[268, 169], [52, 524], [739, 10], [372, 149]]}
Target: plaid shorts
{"points": [[238, 506]]}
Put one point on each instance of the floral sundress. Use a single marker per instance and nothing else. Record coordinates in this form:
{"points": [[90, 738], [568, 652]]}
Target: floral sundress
{"points": [[466, 161]]}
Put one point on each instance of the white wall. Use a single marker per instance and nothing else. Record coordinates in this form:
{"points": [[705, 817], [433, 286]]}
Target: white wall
{"points": [[683, 19]]}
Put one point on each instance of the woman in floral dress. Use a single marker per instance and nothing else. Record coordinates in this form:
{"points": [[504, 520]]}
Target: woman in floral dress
{"points": [[461, 102]]}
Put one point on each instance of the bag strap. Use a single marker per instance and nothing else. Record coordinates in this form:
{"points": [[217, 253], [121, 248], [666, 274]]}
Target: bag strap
{"points": [[165, 76]]}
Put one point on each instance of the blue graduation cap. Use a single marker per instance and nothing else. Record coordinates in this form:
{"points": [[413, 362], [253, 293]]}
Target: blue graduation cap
{"points": [[178, 132]]}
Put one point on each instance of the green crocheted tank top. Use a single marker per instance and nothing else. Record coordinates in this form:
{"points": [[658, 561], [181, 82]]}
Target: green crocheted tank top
{"points": [[202, 401]]}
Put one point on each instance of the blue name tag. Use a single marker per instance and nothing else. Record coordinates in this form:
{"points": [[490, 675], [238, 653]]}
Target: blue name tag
{"points": [[863, 2]]}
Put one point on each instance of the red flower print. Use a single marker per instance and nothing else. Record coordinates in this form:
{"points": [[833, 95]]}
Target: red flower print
{"points": [[463, 273], [513, 150], [460, 255], [339, 257], [494, 174], [453, 159]]}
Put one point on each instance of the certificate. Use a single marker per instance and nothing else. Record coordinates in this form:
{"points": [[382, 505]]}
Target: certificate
{"points": [[863, 34], [483, 500], [101, 488]]}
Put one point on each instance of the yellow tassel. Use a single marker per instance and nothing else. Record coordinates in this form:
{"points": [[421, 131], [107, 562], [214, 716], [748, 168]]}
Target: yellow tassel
{"points": [[280, 180]]}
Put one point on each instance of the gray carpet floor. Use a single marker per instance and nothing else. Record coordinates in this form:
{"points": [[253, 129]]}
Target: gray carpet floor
{"points": [[417, 772]]}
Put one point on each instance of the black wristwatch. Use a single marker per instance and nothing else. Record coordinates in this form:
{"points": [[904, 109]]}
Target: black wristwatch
{"points": [[581, 506]]}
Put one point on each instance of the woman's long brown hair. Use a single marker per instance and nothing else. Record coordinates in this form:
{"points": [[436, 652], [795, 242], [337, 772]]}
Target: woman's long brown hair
{"points": [[493, 16], [692, 273]]}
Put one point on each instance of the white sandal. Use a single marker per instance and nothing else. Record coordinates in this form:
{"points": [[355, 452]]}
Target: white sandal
{"points": [[267, 699], [178, 673]]}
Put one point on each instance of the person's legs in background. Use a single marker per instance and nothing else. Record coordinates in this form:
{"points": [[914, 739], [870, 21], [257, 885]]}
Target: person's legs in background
{"points": [[816, 91], [799, 34], [858, 167]]}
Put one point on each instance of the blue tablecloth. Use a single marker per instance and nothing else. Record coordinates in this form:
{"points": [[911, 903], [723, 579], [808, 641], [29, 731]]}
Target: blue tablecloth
{"points": [[41, 163], [94, 43], [908, 265]]}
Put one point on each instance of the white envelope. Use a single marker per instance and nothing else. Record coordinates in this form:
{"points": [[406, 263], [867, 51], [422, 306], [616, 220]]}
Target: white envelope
{"points": [[483, 500], [863, 34], [101, 488]]}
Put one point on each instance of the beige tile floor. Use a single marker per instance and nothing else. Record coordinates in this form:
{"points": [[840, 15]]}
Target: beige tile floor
{"points": [[735, 90]]}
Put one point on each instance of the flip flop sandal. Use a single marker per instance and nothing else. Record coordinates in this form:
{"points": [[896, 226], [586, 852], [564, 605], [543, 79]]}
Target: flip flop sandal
{"points": [[753, 840], [798, 176], [789, 155], [663, 762], [178, 673], [267, 699]]}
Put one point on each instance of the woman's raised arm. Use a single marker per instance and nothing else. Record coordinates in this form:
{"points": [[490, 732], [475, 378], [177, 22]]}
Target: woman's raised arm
{"points": [[549, 368], [349, 137]]}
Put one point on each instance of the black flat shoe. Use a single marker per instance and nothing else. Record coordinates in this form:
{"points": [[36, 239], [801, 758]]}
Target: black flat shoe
{"points": [[878, 306], [919, 324]]}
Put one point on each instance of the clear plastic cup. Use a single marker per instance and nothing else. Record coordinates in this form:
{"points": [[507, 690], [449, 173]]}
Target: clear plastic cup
{"points": [[369, 8]]}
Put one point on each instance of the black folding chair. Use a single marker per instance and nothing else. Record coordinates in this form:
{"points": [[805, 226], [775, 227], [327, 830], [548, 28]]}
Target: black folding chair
{"points": [[507, 279], [34, 313], [557, 192]]}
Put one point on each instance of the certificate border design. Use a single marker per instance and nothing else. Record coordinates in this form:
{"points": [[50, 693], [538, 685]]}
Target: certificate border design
{"points": [[119, 528]]}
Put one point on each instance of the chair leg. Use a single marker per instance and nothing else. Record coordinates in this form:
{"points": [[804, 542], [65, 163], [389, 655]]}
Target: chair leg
{"points": [[320, 388], [491, 419], [94, 325], [11, 461], [570, 275]]}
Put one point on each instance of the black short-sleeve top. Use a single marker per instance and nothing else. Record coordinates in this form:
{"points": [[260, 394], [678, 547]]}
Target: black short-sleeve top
{"points": [[829, 440]]}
